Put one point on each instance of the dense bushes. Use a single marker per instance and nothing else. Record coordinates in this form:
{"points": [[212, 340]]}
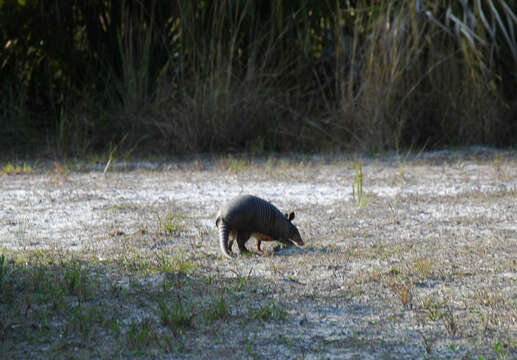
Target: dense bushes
{"points": [[195, 76]]}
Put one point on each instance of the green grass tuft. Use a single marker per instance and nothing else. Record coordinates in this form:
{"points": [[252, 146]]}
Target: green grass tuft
{"points": [[270, 311], [177, 316], [357, 187], [217, 310]]}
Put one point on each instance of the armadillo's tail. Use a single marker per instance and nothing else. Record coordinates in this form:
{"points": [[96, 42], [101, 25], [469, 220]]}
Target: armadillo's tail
{"points": [[224, 233]]}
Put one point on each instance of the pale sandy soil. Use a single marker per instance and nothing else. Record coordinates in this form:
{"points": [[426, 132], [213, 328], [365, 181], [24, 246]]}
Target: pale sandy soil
{"points": [[425, 267]]}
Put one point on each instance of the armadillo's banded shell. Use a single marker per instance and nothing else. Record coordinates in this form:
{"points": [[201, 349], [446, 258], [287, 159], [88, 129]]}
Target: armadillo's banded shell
{"points": [[252, 214], [247, 215]]}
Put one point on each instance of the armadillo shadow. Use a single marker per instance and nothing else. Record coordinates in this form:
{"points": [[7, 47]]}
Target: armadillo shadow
{"points": [[289, 251]]}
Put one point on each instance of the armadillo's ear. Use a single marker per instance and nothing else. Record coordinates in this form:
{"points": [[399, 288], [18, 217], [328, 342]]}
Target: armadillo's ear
{"points": [[291, 216]]}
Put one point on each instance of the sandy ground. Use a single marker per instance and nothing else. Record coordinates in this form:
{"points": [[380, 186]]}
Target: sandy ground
{"points": [[424, 267]]}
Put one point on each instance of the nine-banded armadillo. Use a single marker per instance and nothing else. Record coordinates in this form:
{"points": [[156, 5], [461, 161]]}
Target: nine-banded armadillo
{"points": [[249, 216]]}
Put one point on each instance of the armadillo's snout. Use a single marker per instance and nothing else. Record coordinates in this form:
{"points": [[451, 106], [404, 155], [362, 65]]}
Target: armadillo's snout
{"points": [[297, 241], [294, 236]]}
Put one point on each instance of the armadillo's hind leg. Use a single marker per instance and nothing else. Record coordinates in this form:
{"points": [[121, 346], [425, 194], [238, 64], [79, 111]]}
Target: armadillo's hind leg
{"points": [[242, 237]]}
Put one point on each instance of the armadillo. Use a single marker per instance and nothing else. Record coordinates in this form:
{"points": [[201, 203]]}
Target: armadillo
{"points": [[249, 216]]}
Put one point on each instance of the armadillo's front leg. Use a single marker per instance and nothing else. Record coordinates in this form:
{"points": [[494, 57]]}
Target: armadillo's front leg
{"points": [[260, 238], [242, 237]]}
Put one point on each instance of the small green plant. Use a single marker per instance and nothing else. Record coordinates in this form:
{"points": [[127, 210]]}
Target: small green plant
{"points": [[449, 321], [11, 169], [176, 316], [75, 280], [232, 164], [140, 334], [241, 281], [236, 165], [83, 319], [175, 264], [432, 309], [428, 343], [500, 351], [57, 298], [269, 312], [166, 265], [249, 350], [72, 279], [217, 310], [171, 224], [209, 279], [115, 327], [357, 186]]}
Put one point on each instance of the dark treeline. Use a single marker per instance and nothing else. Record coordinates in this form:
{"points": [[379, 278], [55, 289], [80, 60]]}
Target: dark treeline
{"points": [[242, 75]]}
